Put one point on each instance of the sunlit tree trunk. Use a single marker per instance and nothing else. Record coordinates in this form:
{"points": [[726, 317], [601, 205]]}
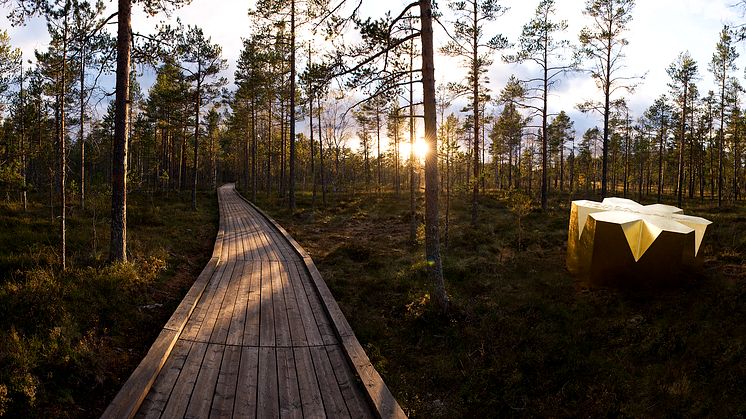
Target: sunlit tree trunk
{"points": [[118, 245], [432, 236]]}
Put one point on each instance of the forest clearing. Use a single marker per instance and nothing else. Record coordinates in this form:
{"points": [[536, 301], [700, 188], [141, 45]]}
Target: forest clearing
{"points": [[418, 164]]}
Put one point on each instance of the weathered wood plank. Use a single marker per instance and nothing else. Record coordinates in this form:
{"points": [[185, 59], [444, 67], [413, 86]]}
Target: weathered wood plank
{"points": [[322, 320], [204, 387], [287, 384], [377, 393], [225, 313], [238, 317], [155, 401], [193, 325], [247, 386], [311, 329], [131, 395], [351, 389], [208, 324], [179, 400], [297, 332], [282, 325], [266, 319], [310, 394], [334, 404], [251, 331], [268, 403], [225, 390]]}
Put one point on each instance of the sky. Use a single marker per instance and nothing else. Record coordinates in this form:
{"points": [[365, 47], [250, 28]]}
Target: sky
{"points": [[659, 31]]}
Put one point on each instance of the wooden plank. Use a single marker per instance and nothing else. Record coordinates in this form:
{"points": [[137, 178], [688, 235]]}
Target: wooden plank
{"points": [[334, 404], [181, 315], [322, 320], [191, 328], [311, 329], [378, 394], [297, 332], [287, 381], [247, 386], [266, 316], [179, 400], [225, 390], [240, 233], [238, 317], [351, 389], [208, 324], [204, 387], [310, 394], [268, 404], [282, 325], [251, 329], [134, 390], [225, 314], [155, 402]]}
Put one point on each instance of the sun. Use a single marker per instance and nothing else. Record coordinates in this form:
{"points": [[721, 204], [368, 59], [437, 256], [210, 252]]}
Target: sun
{"points": [[420, 150]]}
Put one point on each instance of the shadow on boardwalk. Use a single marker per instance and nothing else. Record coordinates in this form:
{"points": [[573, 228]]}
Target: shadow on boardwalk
{"points": [[258, 335]]}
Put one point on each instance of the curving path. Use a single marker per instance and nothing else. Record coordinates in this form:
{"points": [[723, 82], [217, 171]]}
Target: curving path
{"points": [[257, 335]]}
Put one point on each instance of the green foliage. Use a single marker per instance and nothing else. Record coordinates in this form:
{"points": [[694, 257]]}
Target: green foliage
{"points": [[67, 341], [524, 337]]}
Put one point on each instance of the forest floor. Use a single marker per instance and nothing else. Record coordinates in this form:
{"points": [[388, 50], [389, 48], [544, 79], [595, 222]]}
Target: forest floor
{"points": [[524, 338], [69, 341]]}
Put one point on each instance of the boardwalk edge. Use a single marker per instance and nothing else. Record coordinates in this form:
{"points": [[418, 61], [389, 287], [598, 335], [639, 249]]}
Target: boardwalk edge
{"points": [[135, 389], [379, 395]]}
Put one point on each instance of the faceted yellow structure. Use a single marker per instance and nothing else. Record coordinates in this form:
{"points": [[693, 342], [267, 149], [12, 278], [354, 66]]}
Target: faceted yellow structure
{"points": [[619, 239]]}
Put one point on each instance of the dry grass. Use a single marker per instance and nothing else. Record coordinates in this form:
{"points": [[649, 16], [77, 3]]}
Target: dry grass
{"points": [[525, 338]]}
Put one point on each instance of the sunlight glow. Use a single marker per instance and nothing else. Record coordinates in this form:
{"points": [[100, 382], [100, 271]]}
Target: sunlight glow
{"points": [[420, 150]]}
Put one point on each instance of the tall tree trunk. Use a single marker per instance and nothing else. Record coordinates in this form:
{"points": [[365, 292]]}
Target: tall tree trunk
{"points": [[660, 163], [197, 110], [82, 119], [62, 145], [720, 144], [544, 111], [475, 105], [291, 200], [607, 95], [321, 155], [118, 245], [254, 142], [412, 213], [378, 145], [680, 182], [24, 194], [432, 238]]}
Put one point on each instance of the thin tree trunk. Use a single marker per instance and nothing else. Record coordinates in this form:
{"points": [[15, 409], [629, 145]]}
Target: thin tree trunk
{"points": [[24, 195], [291, 200], [82, 119], [62, 145], [118, 245], [475, 105], [432, 238], [197, 110], [321, 155], [412, 213]]}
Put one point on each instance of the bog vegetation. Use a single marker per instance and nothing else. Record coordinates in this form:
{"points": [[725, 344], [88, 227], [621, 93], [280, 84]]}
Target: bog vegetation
{"points": [[445, 252]]}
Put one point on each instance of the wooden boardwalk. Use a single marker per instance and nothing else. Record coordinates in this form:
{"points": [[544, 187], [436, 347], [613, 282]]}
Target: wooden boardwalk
{"points": [[258, 335]]}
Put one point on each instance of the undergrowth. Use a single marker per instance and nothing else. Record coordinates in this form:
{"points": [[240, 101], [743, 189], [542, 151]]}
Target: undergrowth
{"points": [[69, 339], [524, 338]]}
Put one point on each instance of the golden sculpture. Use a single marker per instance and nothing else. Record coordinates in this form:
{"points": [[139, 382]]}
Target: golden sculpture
{"points": [[621, 240]]}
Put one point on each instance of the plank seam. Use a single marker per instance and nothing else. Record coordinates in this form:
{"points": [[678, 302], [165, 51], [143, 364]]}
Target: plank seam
{"points": [[384, 403]]}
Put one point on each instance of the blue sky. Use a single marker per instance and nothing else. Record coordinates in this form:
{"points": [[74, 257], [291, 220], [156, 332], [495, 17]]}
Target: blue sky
{"points": [[659, 31]]}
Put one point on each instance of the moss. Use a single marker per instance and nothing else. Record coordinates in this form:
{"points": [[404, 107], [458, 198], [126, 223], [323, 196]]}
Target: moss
{"points": [[524, 338]]}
